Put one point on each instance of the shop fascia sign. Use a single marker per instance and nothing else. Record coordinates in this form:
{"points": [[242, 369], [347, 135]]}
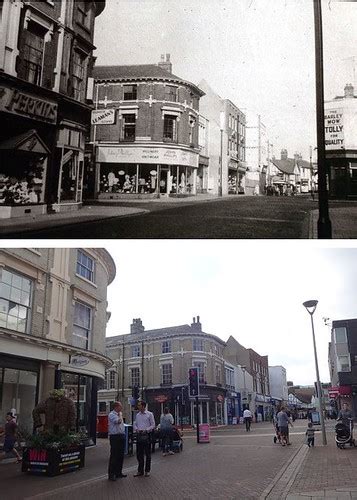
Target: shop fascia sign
{"points": [[103, 117], [334, 133], [153, 156], [20, 103], [78, 360], [161, 398]]}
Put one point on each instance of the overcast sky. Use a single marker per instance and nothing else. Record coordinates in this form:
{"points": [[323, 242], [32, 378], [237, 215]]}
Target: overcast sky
{"points": [[258, 53], [252, 290]]}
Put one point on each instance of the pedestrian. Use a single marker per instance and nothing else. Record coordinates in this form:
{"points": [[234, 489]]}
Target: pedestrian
{"points": [[144, 424], [247, 417], [10, 435], [283, 424], [166, 423], [310, 435], [345, 415], [116, 432]]}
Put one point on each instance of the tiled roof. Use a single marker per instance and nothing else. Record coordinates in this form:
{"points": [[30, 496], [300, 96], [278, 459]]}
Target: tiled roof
{"points": [[304, 394], [137, 72], [286, 166], [304, 164]]}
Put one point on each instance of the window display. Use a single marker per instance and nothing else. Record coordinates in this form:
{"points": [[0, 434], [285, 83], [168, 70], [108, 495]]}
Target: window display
{"points": [[21, 183]]}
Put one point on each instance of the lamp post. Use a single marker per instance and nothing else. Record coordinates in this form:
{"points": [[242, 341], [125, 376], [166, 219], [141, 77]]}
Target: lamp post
{"points": [[221, 128], [324, 229], [310, 306], [245, 391]]}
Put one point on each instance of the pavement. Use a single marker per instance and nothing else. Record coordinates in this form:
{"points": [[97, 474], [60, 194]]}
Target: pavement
{"points": [[343, 222], [234, 465]]}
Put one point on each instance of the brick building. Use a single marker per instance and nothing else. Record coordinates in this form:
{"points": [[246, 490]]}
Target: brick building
{"points": [[53, 319], [144, 133], [45, 61], [157, 362]]}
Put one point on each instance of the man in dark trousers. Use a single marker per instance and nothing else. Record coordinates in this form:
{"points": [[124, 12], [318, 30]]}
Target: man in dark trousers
{"points": [[116, 432], [144, 424]]}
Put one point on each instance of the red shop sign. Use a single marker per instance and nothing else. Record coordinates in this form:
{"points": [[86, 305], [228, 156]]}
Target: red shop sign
{"points": [[161, 398]]}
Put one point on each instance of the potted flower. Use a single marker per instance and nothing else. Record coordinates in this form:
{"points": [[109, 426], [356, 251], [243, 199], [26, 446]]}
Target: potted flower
{"points": [[56, 449]]}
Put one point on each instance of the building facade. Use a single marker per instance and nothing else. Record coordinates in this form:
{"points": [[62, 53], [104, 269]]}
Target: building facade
{"points": [[278, 384], [45, 61], [156, 362], [227, 140], [341, 143], [52, 329], [144, 133], [343, 363], [291, 175]]}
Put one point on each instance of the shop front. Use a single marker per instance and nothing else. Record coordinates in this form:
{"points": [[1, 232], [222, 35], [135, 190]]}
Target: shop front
{"points": [[233, 408], [145, 172]]}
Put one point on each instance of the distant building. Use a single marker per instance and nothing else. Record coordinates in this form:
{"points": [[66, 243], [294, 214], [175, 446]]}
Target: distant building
{"points": [[289, 174], [257, 155], [227, 136], [45, 61], [145, 131], [341, 143], [278, 384]]}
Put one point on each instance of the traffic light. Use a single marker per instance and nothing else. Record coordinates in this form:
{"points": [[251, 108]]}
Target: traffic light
{"points": [[193, 382]]}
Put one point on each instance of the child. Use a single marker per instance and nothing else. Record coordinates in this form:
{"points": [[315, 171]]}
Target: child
{"points": [[310, 435], [10, 432]]}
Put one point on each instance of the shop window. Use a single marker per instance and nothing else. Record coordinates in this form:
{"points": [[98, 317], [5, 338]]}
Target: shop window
{"points": [[166, 346], [112, 379], [130, 92], [340, 335], [78, 75], [201, 370], [33, 52], [135, 351], [129, 124], [170, 93], [197, 345], [85, 266], [170, 128], [166, 374], [79, 389], [135, 377], [15, 300], [82, 324], [69, 175]]}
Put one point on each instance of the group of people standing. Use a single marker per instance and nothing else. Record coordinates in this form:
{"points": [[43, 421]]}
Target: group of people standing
{"points": [[143, 426]]}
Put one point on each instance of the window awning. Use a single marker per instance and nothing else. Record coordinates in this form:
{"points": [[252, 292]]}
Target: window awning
{"points": [[29, 142]]}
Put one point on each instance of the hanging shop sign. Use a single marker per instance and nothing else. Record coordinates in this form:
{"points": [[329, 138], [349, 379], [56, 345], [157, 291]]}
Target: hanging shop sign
{"points": [[153, 156], [334, 133], [24, 104], [103, 116]]}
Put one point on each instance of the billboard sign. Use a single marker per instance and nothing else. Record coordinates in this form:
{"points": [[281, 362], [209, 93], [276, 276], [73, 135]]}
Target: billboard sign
{"points": [[334, 133], [103, 116]]}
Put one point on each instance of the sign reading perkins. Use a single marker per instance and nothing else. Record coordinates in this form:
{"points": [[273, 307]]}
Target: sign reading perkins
{"points": [[20, 103]]}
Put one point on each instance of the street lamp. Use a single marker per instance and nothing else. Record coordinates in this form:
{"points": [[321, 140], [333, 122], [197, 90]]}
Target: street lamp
{"points": [[243, 368], [323, 224], [221, 128], [310, 306]]}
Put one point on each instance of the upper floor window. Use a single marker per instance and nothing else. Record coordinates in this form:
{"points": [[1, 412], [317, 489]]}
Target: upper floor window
{"points": [[135, 377], [130, 92], [82, 324], [129, 125], [192, 123], [343, 363], [170, 127], [340, 335], [85, 266], [15, 300], [33, 52], [218, 374], [170, 93], [197, 345], [135, 351], [201, 370], [166, 346], [83, 14], [166, 371], [111, 380], [78, 76]]}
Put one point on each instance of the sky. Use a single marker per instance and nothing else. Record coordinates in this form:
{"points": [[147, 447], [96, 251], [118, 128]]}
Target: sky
{"points": [[257, 53], [252, 290]]}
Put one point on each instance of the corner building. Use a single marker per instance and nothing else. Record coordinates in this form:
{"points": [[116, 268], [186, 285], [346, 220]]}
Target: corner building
{"points": [[144, 132], [45, 62], [53, 319]]}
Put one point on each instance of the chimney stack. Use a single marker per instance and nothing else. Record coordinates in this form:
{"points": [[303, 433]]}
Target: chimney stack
{"points": [[165, 64], [196, 325], [349, 90], [284, 154], [137, 326]]}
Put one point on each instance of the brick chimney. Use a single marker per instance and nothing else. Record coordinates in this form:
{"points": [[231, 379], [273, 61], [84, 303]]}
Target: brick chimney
{"points": [[284, 154], [165, 64], [349, 90], [137, 326], [196, 325], [297, 156]]}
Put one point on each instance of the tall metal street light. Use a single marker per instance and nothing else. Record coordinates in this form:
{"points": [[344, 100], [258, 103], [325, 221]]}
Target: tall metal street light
{"points": [[221, 128], [324, 229], [243, 368], [310, 306]]}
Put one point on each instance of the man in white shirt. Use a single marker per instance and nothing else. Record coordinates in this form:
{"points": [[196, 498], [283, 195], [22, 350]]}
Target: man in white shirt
{"points": [[144, 424], [247, 417], [116, 432]]}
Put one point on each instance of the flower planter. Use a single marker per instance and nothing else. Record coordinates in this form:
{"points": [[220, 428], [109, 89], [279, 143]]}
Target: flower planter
{"points": [[53, 462]]}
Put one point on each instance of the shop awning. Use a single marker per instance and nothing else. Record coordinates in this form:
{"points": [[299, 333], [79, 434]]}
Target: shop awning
{"points": [[29, 142]]}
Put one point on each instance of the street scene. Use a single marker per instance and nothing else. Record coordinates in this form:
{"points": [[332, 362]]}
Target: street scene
{"points": [[97, 400], [173, 118]]}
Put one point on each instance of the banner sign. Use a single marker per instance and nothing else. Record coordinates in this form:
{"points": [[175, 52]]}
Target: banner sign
{"points": [[103, 116]]}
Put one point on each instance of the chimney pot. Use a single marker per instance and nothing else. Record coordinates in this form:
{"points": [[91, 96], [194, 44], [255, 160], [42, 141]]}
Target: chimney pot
{"points": [[349, 90]]}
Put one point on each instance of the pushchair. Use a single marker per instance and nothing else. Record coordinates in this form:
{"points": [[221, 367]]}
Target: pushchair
{"points": [[177, 442], [277, 437], [344, 433]]}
